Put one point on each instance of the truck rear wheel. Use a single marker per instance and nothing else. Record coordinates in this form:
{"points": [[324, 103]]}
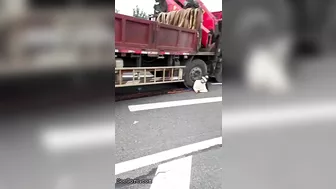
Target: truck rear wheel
{"points": [[193, 71], [218, 73]]}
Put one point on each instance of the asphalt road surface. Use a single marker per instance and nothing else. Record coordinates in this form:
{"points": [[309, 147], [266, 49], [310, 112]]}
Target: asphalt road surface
{"points": [[284, 141], [183, 134], [55, 136], [142, 135], [151, 131]]}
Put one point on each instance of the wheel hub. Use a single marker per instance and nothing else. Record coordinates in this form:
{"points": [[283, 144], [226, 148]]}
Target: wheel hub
{"points": [[195, 73]]}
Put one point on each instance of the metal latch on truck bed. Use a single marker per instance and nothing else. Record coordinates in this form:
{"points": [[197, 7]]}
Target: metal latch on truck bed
{"points": [[135, 76]]}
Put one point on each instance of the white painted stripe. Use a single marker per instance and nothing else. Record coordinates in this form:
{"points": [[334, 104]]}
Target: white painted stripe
{"points": [[167, 53], [284, 115], [153, 52], [130, 51], [216, 83], [116, 50], [169, 104], [175, 174], [84, 137], [165, 155], [185, 53], [144, 52]]}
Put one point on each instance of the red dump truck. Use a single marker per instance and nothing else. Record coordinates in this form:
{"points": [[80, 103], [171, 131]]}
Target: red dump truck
{"points": [[149, 52], [282, 26]]}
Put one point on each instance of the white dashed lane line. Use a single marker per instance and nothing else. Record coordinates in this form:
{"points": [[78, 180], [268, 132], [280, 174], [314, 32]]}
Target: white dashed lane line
{"points": [[160, 157], [170, 104]]}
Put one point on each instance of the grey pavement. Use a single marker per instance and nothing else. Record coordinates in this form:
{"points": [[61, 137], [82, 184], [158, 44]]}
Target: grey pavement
{"points": [[28, 162], [24, 158], [313, 81], [148, 132], [293, 155], [206, 172]]}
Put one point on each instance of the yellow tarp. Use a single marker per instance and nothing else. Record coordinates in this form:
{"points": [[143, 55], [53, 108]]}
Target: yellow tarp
{"points": [[186, 18]]}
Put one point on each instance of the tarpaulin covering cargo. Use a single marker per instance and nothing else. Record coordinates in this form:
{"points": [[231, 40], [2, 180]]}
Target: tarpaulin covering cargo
{"points": [[187, 18]]}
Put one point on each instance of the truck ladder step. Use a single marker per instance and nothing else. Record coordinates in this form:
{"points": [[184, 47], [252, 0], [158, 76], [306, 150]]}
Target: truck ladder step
{"points": [[136, 76]]}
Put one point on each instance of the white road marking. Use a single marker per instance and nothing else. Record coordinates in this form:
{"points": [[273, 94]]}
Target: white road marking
{"points": [[216, 83], [169, 104], [175, 174], [61, 140], [165, 155], [277, 116]]}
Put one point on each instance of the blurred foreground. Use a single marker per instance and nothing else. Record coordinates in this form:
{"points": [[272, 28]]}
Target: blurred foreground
{"points": [[56, 123], [282, 141]]}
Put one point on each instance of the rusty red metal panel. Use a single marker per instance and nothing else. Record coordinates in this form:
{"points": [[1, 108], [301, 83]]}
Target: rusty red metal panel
{"points": [[133, 33], [139, 34], [118, 30], [172, 38]]}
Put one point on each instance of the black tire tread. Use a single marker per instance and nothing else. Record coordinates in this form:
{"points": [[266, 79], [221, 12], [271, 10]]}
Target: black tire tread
{"points": [[189, 65]]}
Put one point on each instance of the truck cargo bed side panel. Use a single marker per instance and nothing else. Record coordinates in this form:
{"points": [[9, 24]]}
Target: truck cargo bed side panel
{"points": [[133, 33], [138, 34], [171, 38]]}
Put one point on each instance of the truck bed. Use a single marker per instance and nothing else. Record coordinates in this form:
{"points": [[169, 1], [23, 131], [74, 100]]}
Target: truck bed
{"points": [[136, 35]]}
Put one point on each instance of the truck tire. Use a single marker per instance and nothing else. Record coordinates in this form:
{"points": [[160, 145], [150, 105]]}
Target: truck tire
{"points": [[193, 71], [247, 23], [218, 73]]}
